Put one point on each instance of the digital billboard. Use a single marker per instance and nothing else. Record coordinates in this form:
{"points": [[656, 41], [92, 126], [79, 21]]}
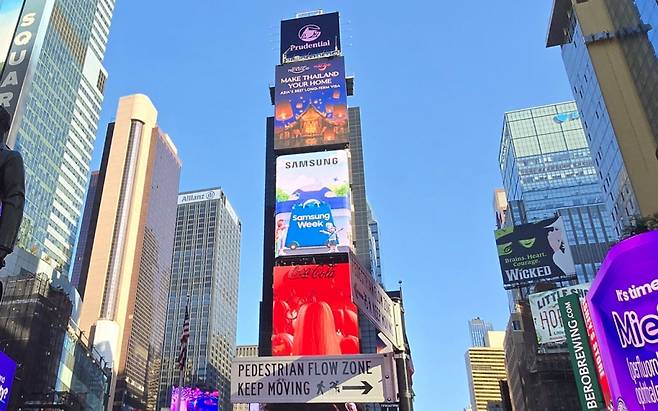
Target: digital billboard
{"points": [[10, 10], [310, 36], [622, 303], [7, 371], [313, 312], [310, 104], [546, 312], [313, 203], [531, 253], [193, 399]]}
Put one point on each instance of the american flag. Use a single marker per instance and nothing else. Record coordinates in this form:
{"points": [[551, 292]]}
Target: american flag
{"points": [[182, 356]]}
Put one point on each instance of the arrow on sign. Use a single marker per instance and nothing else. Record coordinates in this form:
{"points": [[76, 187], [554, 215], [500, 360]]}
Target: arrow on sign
{"points": [[365, 387]]}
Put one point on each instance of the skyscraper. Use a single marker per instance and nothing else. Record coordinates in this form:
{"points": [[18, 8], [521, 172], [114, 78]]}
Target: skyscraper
{"points": [[53, 85], [547, 168], [205, 266], [130, 264], [478, 329], [609, 52], [485, 366], [375, 252], [86, 236]]}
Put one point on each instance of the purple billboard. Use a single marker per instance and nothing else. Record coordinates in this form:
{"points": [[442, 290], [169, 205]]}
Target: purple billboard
{"points": [[7, 371], [193, 399], [623, 301]]}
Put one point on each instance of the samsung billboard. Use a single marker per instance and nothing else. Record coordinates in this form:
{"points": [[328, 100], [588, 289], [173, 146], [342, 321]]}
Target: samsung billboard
{"points": [[308, 37], [313, 203], [531, 253], [310, 103]]}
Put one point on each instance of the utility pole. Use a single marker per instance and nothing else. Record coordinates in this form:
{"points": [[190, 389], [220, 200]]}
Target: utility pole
{"points": [[402, 359]]}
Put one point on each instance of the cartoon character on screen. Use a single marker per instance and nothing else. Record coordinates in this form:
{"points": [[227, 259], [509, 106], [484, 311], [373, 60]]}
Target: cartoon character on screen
{"points": [[332, 236], [280, 237]]}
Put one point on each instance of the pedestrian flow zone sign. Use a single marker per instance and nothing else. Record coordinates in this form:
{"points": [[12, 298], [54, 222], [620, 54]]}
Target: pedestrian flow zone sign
{"points": [[364, 378]]}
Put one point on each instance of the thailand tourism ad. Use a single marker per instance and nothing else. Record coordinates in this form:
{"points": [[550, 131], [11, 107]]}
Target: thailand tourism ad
{"points": [[313, 312], [313, 203], [623, 303], [310, 104]]}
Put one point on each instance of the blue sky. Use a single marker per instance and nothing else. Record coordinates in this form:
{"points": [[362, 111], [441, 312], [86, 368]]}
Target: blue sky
{"points": [[433, 79]]}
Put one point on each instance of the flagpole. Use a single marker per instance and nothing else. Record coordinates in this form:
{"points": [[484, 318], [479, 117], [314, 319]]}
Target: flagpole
{"points": [[181, 378]]}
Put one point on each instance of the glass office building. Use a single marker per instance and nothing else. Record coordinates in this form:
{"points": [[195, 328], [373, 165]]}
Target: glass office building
{"points": [[547, 168], [375, 253], [478, 329], [609, 53], [55, 124], [205, 267]]}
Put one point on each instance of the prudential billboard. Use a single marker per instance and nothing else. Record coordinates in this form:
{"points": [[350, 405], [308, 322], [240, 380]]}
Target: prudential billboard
{"points": [[623, 303], [535, 252], [313, 203], [308, 37]]}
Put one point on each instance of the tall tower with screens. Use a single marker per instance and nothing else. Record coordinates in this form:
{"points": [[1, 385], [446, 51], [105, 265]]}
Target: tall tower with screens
{"points": [[316, 220], [52, 83]]}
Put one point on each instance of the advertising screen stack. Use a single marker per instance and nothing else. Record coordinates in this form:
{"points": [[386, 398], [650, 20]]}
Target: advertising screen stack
{"points": [[310, 309]]}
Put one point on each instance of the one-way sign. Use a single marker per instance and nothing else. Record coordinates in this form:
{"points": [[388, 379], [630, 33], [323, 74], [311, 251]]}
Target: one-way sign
{"points": [[364, 378]]}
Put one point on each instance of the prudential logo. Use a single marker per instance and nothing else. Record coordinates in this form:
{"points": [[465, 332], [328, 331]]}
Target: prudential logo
{"points": [[309, 33]]}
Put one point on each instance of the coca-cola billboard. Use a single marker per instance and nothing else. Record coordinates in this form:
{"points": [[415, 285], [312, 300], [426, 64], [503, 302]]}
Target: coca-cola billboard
{"points": [[313, 312]]}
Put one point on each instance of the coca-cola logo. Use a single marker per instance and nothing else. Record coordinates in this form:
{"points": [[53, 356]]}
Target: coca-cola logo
{"points": [[312, 272], [309, 32]]}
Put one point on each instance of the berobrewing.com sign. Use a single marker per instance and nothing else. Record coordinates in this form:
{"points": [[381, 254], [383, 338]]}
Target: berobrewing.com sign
{"points": [[582, 363], [535, 252]]}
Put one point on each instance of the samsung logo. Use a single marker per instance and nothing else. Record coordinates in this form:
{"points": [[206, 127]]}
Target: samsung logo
{"points": [[312, 163]]}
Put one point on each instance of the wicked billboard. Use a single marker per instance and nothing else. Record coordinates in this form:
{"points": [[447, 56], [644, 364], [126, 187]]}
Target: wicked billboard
{"points": [[313, 203], [530, 253], [313, 312], [310, 104], [310, 36]]}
